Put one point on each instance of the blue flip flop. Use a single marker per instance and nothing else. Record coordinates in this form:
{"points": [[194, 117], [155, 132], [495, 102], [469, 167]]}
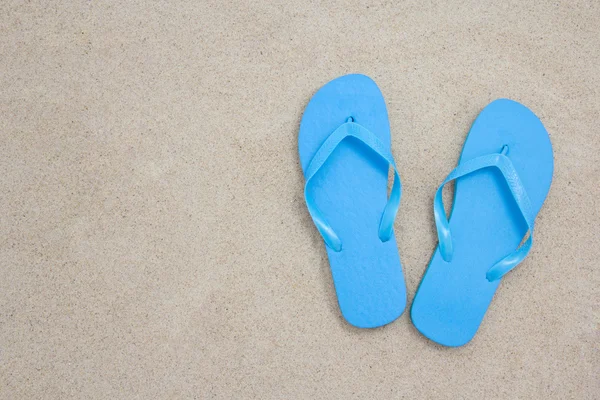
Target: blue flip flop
{"points": [[345, 152], [503, 177]]}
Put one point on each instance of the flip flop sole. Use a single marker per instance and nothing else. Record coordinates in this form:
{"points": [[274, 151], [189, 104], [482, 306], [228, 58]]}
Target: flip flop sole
{"points": [[350, 189], [485, 222]]}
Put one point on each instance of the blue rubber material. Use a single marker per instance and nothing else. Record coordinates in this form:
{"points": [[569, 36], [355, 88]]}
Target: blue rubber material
{"points": [[344, 146], [510, 155], [519, 193], [350, 129]]}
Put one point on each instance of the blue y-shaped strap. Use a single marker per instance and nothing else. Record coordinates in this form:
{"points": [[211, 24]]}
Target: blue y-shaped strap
{"points": [[503, 163], [352, 129]]}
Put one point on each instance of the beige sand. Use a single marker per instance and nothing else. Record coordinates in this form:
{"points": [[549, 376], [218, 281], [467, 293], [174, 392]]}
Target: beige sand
{"points": [[154, 242]]}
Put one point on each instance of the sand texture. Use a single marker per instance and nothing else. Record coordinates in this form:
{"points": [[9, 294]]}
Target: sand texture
{"points": [[154, 242]]}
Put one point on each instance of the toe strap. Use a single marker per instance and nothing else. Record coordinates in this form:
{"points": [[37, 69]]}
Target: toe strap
{"points": [[506, 167], [352, 129]]}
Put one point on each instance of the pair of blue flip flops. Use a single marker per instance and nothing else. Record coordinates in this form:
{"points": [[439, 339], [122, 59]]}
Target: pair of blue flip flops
{"points": [[502, 179]]}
